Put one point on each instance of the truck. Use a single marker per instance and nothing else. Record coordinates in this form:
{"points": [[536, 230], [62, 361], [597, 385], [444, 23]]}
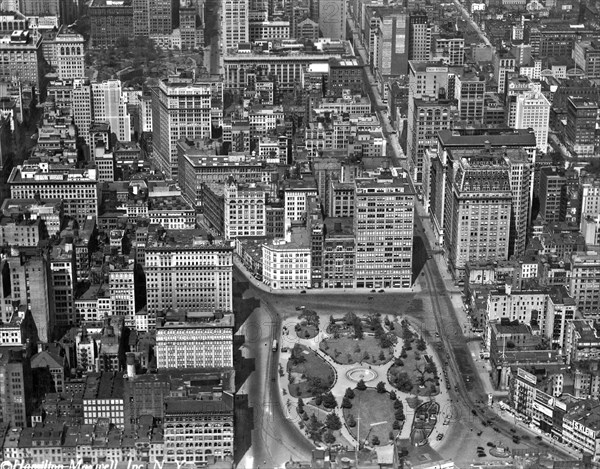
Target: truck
{"points": [[274, 345]]}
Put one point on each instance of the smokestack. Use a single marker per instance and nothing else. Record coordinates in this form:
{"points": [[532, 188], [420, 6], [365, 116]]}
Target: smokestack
{"points": [[130, 365]]}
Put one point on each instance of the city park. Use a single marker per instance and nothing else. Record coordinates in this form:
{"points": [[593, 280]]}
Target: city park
{"points": [[360, 380]]}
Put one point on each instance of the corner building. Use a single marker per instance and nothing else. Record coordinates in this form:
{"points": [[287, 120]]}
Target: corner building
{"points": [[383, 228]]}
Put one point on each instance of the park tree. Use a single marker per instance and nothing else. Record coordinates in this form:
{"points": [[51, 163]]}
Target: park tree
{"points": [[399, 415], [396, 425], [393, 395], [403, 382], [361, 386], [329, 438], [346, 403], [380, 387], [297, 357], [318, 400], [398, 362], [398, 404], [351, 421], [366, 356], [421, 345], [375, 440], [310, 316], [314, 428], [300, 405], [333, 421], [329, 401], [349, 393]]}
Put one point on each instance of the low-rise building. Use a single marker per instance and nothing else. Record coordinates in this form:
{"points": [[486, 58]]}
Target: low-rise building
{"points": [[287, 262]]}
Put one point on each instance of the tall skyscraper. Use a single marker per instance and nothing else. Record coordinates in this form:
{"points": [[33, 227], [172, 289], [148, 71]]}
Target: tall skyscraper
{"points": [[15, 388], [28, 275], [332, 19], [110, 106], [235, 27], [427, 83], [470, 93], [69, 54], [533, 112], [180, 108], [383, 229], [82, 108], [429, 116], [553, 194], [419, 36], [478, 207]]}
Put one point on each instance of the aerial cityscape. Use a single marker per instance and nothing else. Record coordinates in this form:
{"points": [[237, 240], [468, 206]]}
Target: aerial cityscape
{"points": [[298, 234]]}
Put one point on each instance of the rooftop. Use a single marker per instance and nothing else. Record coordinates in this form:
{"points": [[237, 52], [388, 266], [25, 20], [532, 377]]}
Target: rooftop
{"points": [[161, 239]]}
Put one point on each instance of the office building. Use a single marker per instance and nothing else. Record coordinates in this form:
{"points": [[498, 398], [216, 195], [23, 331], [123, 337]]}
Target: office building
{"points": [[109, 21], [383, 230], [63, 279], [504, 63], [110, 106], [121, 288], [387, 31], [285, 64], [77, 188], [287, 261], [15, 388], [194, 340], [209, 424], [332, 19], [470, 93], [190, 26], [584, 285], [152, 17], [82, 108], [478, 207], [419, 36], [26, 283], [185, 271], [296, 194], [245, 210], [21, 58], [533, 112], [448, 45], [180, 109], [586, 55], [428, 117], [40, 7], [69, 54], [235, 25], [553, 194], [580, 132], [103, 399], [338, 253]]}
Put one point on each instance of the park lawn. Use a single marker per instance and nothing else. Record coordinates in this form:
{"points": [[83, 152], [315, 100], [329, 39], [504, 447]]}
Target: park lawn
{"points": [[312, 367], [344, 350], [306, 331], [410, 365], [372, 407]]}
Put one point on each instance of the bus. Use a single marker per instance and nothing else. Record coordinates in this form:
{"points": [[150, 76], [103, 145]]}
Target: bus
{"points": [[274, 345]]}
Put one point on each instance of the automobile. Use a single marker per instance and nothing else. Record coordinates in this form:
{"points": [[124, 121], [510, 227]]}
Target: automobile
{"points": [[479, 433], [303, 291], [429, 257], [373, 291], [300, 308], [481, 455], [516, 439], [512, 430], [496, 429], [382, 291], [480, 448], [439, 437], [490, 444], [474, 412], [437, 334], [538, 437], [284, 349]]}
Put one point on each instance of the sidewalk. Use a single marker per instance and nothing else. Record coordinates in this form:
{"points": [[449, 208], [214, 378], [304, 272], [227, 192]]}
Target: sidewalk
{"points": [[416, 288]]}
